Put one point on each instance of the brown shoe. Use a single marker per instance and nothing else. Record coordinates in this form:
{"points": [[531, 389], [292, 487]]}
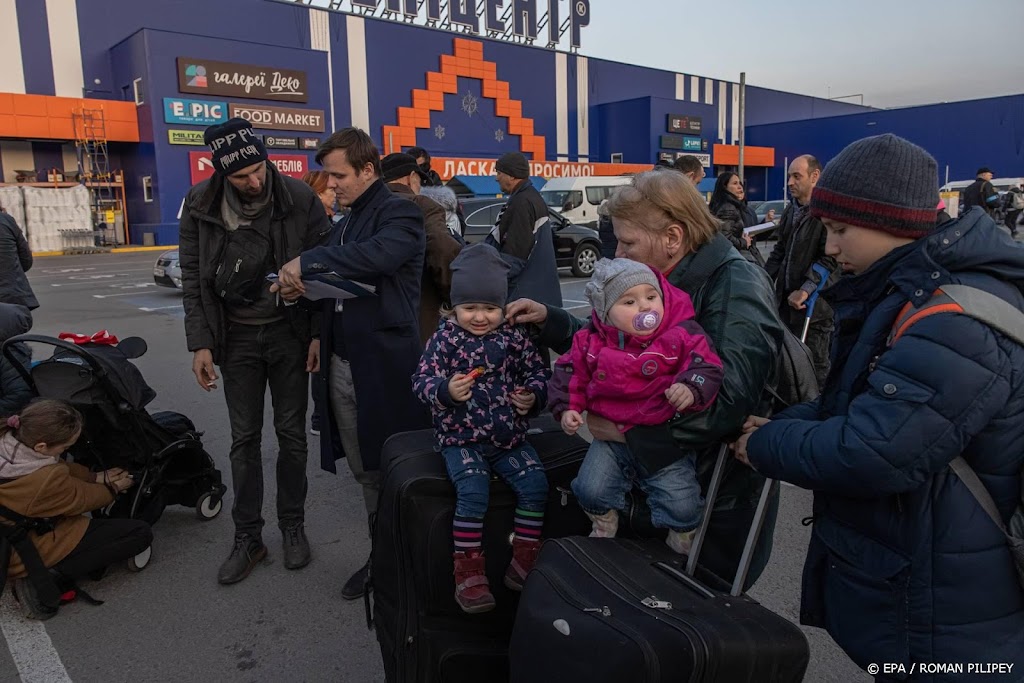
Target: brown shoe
{"points": [[524, 556], [472, 591]]}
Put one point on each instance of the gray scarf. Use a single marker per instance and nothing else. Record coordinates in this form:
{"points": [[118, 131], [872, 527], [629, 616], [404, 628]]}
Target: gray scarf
{"points": [[238, 210]]}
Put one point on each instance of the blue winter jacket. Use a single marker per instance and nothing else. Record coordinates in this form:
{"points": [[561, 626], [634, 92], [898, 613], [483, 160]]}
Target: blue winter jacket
{"points": [[904, 566]]}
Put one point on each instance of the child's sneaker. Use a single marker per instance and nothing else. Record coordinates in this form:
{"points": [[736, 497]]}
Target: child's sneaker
{"points": [[606, 525], [524, 556], [680, 541], [472, 591]]}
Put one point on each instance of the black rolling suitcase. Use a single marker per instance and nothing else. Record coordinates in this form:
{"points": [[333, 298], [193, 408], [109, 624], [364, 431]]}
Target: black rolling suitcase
{"points": [[600, 610], [424, 637]]}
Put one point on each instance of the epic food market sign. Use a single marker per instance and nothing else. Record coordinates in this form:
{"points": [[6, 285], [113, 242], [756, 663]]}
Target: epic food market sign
{"points": [[227, 79], [507, 19], [280, 118]]}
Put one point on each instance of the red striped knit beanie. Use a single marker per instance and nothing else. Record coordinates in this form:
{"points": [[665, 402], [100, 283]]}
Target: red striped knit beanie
{"points": [[881, 183]]}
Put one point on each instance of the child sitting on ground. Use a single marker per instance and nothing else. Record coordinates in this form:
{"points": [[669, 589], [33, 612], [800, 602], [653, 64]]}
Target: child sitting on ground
{"points": [[36, 482], [482, 378], [641, 359]]}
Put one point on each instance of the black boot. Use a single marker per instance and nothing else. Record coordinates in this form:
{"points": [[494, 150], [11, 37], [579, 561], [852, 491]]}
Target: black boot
{"points": [[296, 546], [247, 552], [355, 587], [28, 599]]}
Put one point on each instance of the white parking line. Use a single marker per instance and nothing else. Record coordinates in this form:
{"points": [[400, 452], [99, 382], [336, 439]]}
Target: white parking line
{"points": [[31, 649], [575, 301], [107, 296], [160, 308]]}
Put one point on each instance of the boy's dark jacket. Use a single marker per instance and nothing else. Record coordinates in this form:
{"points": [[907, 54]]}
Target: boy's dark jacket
{"points": [[903, 565]]}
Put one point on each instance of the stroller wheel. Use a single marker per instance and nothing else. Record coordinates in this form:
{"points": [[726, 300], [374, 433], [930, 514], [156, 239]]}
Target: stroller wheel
{"points": [[208, 506], [140, 561]]}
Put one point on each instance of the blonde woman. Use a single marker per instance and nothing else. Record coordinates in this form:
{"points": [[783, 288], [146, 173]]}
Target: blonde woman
{"points": [[662, 221]]}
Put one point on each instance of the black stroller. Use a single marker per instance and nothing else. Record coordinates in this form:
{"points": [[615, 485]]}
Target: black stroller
{"points": [[163, 451]]}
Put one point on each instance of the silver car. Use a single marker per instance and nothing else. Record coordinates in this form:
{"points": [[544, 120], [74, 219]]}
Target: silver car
{"points": [[167, 271]]}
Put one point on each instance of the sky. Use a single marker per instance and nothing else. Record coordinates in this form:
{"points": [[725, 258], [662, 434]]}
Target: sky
{"points": [[893, 52]]}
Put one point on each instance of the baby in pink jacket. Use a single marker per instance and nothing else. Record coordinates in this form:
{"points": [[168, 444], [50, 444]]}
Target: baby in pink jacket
{"points": [[641, 360]]}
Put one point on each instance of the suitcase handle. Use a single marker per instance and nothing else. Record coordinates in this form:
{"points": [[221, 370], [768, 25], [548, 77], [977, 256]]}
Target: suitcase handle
{"points": [[693, 583], [755, 527]]}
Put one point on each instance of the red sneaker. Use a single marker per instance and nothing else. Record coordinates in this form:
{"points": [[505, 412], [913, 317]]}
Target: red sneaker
{"points": [[524, 556], [472, 591]]}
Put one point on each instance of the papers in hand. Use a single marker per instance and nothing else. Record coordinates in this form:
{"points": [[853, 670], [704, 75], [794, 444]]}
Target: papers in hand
{"points": [[757, 229], [331, 286]]}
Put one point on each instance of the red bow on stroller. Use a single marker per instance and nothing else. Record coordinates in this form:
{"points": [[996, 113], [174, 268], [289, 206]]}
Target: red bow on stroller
{"points": [[101, 337]]}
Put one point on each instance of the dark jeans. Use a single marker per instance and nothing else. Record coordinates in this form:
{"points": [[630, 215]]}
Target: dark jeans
{"points": [[258, 356], [1011, 220], [469, 469], [106, 542]]}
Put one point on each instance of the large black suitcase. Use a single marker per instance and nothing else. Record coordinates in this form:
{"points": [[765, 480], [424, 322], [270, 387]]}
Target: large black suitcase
{"points": [[424, 636], [598, 610]]}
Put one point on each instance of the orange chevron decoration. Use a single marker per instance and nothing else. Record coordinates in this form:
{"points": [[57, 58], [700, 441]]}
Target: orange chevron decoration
{"points": [[467, 62]]}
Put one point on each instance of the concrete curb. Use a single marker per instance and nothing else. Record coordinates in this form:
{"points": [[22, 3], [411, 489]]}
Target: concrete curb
{"points": [[130, 250], [119, 250]]}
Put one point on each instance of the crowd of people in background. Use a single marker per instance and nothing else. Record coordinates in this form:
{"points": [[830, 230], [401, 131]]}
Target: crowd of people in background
{"points": [[904, 563]]}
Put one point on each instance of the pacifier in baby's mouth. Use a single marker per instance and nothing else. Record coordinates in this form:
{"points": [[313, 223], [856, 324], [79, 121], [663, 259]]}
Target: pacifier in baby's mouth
{"points": [[647, 320]]}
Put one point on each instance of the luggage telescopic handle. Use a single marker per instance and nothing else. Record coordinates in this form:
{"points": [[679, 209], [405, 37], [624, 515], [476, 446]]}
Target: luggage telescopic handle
{"points": [[755, 528]]}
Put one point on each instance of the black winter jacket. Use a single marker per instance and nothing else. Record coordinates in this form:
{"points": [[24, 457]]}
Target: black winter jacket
{"points": [[298, 222], [15, 261], [15, 393], [523, 237], [734, 216], [801, 245]]}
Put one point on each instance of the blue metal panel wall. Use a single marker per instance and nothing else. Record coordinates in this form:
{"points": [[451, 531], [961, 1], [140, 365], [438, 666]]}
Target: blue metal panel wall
{"points": [[766, 106], [960, 135], [129, 62], [614, 82], [104, 23], [615, 129], [36, 59]]}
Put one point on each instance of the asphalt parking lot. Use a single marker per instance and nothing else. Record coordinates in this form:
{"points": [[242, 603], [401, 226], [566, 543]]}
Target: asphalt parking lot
{"points": [[173, 622]]}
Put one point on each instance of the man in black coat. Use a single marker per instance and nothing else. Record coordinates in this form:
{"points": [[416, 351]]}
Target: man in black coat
{"points": [[801, 245], [981, 192], [244, 222], [15, 261], [371, 344], [522, 235]]}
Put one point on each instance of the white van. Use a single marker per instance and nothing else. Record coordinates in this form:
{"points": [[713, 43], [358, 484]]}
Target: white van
{"points": [[577, 199], [1001, 184]]}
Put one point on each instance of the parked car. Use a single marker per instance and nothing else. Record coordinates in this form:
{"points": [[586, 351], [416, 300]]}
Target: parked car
{"points": [[576, 247], [167, 271], [763, 208]]}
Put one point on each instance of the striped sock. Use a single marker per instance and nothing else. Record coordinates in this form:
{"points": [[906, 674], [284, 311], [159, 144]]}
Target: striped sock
{"points": [[528, 525], [468, 533]]}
